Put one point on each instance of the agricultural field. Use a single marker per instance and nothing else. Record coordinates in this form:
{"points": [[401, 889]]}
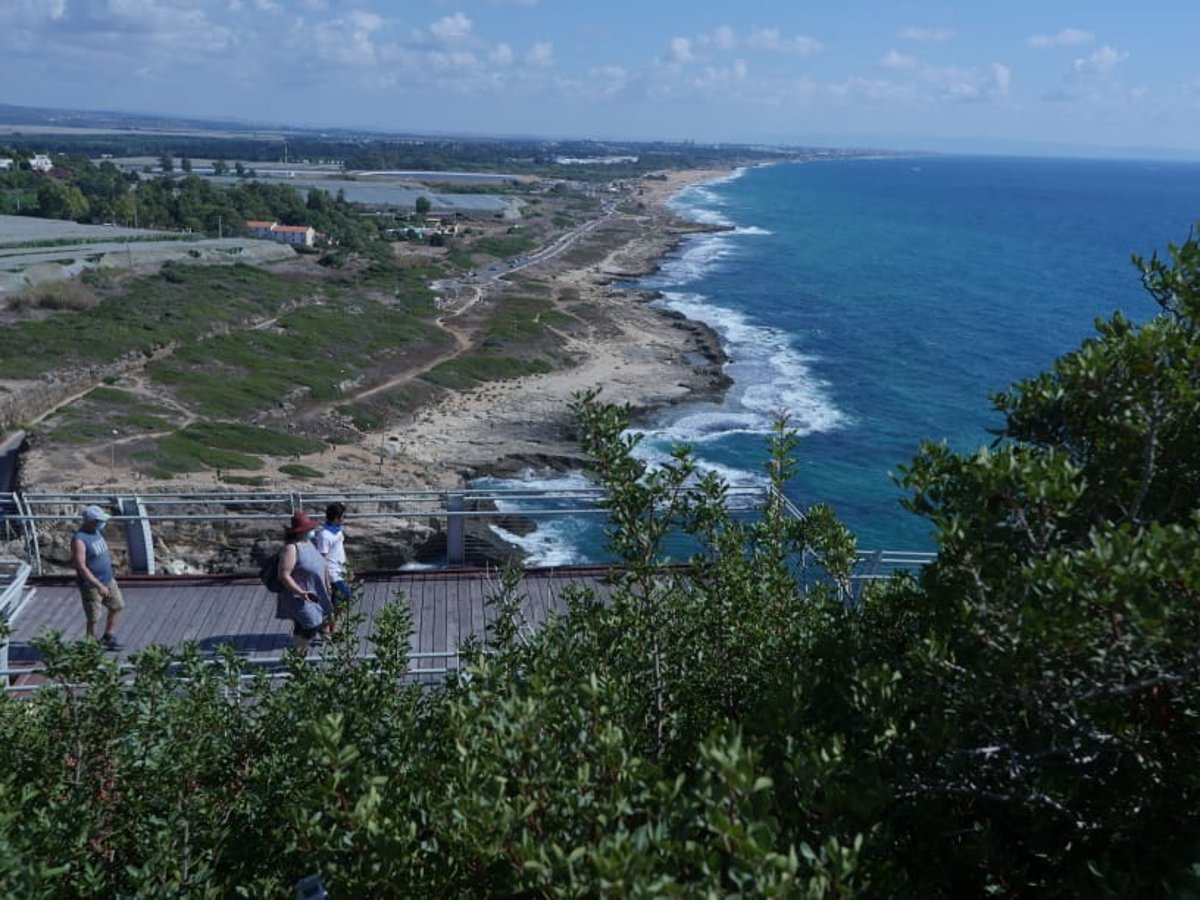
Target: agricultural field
{"points": [[35, 251], [16, 231]]}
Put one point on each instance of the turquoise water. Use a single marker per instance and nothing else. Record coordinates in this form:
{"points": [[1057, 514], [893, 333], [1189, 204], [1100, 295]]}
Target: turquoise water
{"points": [[880, 301]]}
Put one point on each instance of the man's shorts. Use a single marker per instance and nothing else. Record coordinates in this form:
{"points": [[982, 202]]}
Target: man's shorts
{"points": [[92, 601]]}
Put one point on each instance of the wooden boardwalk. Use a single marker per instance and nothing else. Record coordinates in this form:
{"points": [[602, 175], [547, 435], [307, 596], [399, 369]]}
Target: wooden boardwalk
{"points": [[448, 606]]}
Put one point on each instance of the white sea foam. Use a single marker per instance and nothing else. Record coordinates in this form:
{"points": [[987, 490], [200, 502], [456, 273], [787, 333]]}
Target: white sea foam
{"points": [[706, 214], [697, 259], [558, 540], [655, 450], [751, 229], [769, 377], [549, 545]]}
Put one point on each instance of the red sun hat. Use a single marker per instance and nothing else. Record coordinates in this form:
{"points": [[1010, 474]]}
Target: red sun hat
{"points": [[301, 523]]}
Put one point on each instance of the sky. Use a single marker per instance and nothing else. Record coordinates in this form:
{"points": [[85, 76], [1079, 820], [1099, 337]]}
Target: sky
{"points": [[973, 75]]}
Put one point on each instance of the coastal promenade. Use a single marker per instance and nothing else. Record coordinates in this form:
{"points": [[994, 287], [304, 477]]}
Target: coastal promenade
{"points": [[448, 606], [448, 599]]}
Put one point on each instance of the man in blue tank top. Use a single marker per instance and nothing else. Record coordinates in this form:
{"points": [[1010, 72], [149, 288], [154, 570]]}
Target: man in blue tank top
{"points": [[94, 575]]}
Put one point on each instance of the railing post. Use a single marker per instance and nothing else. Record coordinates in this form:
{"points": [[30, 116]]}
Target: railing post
{"points": [[29, 528], [12, 596], [456, 530], [137, 535]]}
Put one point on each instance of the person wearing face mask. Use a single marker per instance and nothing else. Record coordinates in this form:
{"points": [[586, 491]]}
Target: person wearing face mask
{"points": [[94, 576], [302, 572]]}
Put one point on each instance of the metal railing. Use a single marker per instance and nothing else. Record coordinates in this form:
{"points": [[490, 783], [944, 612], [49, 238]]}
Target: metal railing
{"points": [[460, 526], [456, 527], [434, 529], [273, 668], [13, 576]]}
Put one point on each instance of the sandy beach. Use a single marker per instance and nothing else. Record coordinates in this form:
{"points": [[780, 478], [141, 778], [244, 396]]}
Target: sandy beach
{"points": [[632, 352]]}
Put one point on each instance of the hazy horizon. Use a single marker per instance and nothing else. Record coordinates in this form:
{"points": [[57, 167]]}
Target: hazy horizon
{"points": [[919, 75]]}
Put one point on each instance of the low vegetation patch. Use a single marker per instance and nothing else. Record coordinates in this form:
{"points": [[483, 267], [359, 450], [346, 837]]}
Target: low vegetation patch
{"points": [[313, 350], [517, 320], [221, 445], [58, 296], [296, 470], [177, 307], [247, 480], [250, 439], [467, 370], [106, 414], [371, 414], [176, 454], [503, 247], [113, 396]]}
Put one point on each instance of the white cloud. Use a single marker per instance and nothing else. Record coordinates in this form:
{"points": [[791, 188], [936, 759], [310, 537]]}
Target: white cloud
{"points": [[1068, 37], [608, 81], [1002, 76], [771, 39], [540, 54], [16, 12], [502, 54], [721, 77], [458, 61], [1102, 61], [349, 40], [918, 82], [894, 59], [968, 83], [451, 28], [927, 35], [723, 38], [871, 90], [681, 50]]}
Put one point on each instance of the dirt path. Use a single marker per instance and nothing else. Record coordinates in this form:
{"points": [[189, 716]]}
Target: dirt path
{"points": [[461, 344]]}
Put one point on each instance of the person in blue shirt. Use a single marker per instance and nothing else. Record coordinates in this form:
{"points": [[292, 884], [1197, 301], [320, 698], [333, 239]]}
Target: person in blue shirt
{"points": [[94, 576]]}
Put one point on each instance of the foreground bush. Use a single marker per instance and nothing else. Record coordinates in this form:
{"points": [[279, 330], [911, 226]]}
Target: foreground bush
{"points": [[1019, 720]]}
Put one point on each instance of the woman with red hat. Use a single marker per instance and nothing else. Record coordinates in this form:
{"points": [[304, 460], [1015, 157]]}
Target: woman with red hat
{"points": [[302, 572]]}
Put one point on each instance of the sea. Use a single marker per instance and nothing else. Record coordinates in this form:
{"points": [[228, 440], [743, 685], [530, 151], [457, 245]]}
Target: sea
{"points": [[879, 302]]}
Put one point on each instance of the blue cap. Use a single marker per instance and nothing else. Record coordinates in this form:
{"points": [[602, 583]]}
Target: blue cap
{"points": [[94, 514]]}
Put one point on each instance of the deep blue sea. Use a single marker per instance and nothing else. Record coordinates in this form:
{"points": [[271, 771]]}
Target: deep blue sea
{"points": [[880, 301]]}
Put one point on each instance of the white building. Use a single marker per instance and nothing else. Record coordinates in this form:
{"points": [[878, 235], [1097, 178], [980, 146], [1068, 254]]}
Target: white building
{"points": [[297, 235], [5, 164], [41, 162]]}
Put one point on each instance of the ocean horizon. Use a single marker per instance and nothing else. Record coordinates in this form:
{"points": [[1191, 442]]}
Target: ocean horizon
{"points": [[878, 302]]}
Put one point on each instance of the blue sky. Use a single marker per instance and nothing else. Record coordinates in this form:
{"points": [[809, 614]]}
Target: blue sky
{"points": [[967, 75]]}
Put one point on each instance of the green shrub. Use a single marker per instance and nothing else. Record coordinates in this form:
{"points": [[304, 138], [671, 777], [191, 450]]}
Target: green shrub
{"points": [[296, 470], [468, 369]]}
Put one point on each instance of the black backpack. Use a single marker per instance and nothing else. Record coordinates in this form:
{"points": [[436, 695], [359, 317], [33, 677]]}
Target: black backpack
{"points": [[269, 573]]}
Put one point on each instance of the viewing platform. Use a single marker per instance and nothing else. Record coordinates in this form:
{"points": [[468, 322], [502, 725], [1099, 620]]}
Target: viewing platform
{"points": [[448, 599]]}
